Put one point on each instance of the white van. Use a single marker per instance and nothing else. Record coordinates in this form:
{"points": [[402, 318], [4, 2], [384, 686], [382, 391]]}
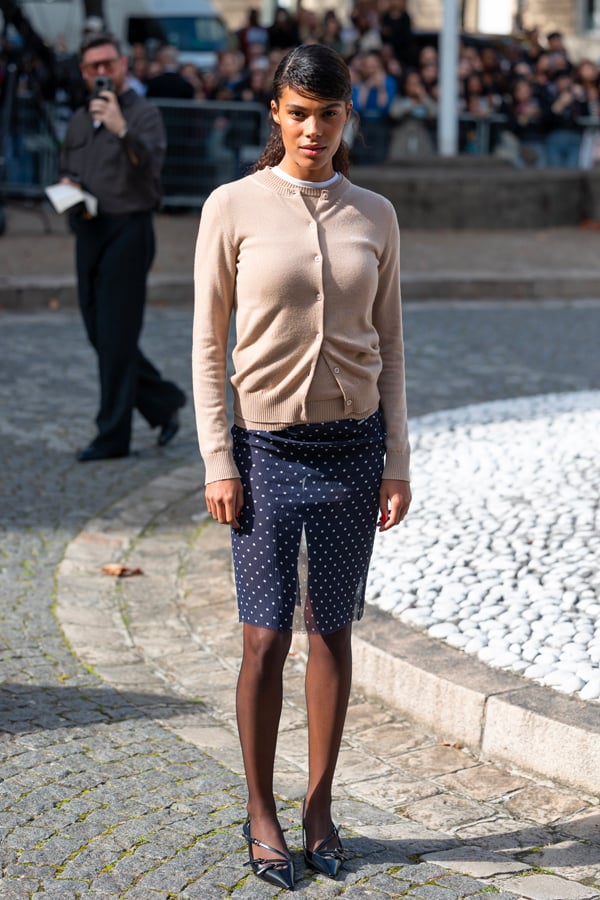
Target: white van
{"points": [[193, 26]]}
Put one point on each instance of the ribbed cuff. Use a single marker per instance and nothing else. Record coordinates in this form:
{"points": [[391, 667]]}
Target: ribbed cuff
{"points": [[397, 465], [220, 466]]}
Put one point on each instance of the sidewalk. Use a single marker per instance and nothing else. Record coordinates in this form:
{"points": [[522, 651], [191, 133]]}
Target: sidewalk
{"points": [[120, 766], [556, 263], [423, 817]]}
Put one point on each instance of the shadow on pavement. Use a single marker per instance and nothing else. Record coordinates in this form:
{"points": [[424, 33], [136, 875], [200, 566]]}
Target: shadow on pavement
{"points": [[27, 708]]}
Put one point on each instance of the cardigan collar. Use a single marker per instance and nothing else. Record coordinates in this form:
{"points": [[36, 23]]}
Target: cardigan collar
{"points": [[280, 186]]}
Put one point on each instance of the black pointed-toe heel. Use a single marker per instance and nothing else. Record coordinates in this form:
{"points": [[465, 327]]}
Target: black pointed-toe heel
{"points": [[277, 870], [326, 860]]}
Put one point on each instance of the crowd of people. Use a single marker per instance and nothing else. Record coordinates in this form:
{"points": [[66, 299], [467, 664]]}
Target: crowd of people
{"points": [[523, 98]]}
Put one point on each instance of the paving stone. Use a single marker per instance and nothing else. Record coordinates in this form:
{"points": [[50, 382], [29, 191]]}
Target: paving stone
{"points": [[447, 811], [436, 760], [550, 887], [17, 889], [543, 804], [572, 859], [393, 792], [463, 885], [62, 888], [503, 833], [484, 782], [435, 892], [391, 884], [123, 773], [421, 873], [392, 739], [497, 895], [364, 716], [475, 862], [586, 825]]}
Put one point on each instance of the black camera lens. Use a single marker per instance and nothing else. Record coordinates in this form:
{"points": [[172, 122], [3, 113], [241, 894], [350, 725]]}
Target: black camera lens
{"points": [[102, 83]]}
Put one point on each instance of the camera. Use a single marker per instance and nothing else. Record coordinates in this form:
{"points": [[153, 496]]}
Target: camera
{"points": [[102, 83]]}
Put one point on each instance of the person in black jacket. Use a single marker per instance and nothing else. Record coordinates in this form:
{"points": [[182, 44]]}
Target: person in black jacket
{"points": [[568, 106], [396, 29], [114, 148], [169, 83]]}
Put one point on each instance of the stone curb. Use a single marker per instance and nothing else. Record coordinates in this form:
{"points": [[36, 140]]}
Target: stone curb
{"points": [[499, 715], [29, 293]]}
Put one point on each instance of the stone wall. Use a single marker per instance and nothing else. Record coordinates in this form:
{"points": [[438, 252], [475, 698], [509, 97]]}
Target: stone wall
{"points": [[453, 195]]}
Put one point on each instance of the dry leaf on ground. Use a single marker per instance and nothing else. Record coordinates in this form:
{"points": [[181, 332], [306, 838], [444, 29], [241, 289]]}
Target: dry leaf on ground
{"points": [[118, 570]]}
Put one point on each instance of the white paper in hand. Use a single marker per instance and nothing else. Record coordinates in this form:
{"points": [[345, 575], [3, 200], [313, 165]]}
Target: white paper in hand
{"points": [[64, 196]]}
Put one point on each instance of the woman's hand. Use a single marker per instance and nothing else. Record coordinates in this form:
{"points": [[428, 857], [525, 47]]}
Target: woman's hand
{"points": [[225, 500], [394, 500]]}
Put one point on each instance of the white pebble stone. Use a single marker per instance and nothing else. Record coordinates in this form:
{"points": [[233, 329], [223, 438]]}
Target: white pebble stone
{"points": [[505, 659], [442, 630], [587, 671], [591, 690], [530, 650], [502, 578], [475, 644], [457, 639], [565, 682], [538, 670]]}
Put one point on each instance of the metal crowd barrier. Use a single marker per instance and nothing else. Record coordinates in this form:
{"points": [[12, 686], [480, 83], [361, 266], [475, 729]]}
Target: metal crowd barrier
{"points": [[208, 143], [483, 131], [30, 147]]}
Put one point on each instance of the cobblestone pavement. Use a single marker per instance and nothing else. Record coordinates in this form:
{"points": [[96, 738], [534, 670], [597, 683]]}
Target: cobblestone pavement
{"points": [[100, 794]]}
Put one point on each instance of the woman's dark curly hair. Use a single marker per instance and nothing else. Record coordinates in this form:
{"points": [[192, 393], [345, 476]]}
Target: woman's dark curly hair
{"points": [[318, 71]]}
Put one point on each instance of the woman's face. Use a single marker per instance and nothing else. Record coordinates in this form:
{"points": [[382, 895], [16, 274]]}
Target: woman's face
{"points": [[311, 129], [522, 92], [588, 71]]}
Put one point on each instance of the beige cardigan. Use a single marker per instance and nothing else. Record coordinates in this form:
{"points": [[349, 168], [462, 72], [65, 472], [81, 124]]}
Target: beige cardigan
{"points": [[312, 276]]}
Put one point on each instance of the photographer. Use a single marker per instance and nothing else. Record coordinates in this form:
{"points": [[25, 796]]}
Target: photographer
{"points": [[114, 148]]}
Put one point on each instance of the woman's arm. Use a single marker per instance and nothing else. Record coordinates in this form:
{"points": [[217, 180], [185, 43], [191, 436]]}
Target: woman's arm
{"points": [[387, 319], [214, 288]]}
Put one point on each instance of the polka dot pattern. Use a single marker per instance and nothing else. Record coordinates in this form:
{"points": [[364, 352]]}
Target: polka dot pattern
{"points": [[310, 491]]}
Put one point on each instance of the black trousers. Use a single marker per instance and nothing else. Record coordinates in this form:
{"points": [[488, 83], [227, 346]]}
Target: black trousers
{"points": [[113, 255]]}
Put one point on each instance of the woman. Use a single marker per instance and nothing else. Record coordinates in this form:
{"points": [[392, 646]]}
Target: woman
{"points": [[309, 264]]}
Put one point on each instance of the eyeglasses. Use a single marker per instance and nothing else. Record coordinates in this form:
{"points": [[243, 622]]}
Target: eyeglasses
{"points": [[108, 64]]}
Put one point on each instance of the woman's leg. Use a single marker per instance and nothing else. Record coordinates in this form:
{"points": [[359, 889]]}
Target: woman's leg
{"points": [[328, 680], [259, 699]]}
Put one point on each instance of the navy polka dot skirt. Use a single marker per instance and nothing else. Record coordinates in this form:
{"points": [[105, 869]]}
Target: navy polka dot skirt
{"points": [[311, 502]]}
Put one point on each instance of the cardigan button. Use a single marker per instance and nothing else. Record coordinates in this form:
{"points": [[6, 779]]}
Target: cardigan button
{"points": [[348, 402]]}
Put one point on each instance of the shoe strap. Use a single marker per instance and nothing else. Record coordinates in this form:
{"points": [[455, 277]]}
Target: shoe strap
{"points": [[285, 857], [331, 852], [260, 866]]}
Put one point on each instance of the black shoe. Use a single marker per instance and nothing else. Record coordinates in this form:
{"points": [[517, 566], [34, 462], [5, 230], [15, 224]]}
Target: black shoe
{"points": [[326, 860], [169, 429], [278, 870], [92, 453]]}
